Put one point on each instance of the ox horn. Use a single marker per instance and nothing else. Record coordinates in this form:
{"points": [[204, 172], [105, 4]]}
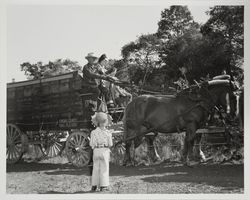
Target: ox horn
{"points": [[228, 103], [222, 77], [215, 82]]}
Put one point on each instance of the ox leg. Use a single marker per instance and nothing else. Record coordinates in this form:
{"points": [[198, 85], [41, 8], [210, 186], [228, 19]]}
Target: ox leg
{"points": [[152, 148], [198, 152], [185, 150], [189, 142], [127, 160]]}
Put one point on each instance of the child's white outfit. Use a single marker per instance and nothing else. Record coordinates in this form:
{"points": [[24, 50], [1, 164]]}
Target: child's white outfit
{"points": [[100, 141]]}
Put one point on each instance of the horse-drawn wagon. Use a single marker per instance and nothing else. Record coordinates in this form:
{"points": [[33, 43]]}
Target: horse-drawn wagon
{"points": [[52, 114], [55, 113]]}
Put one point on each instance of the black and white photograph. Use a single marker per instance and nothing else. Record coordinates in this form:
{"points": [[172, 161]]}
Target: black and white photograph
{"points": [[108, 99]]}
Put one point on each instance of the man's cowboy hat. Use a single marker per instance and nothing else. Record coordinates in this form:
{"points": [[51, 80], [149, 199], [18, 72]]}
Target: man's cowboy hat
{"points": [[101, 118], [90, 55]]}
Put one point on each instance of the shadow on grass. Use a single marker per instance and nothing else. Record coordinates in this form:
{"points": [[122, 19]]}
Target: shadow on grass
{"points": [[230, 177], [36, 166], [227, 176]]}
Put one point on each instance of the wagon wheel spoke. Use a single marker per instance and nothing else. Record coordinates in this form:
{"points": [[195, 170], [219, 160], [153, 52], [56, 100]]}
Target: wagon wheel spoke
{"points": [[80, 141], [16, 139], [85, 141], [58, 146], [14, 144], [15, 152], [78, 138], [70, 144], [54, 150], [10, 131], [85, 156], [8, 153], [18, 148], [50, 151], [72, 141]]}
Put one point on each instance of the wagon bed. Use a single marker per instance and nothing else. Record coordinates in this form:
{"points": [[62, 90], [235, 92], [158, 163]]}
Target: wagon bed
{"points": [[46, 112], [51, 103]]}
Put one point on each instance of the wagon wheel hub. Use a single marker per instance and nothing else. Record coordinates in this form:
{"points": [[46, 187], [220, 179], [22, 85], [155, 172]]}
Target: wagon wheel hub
{"points": [[80, 148]]}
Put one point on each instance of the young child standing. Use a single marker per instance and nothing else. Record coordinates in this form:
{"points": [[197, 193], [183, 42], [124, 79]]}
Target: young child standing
{"points": [[100, 141]]}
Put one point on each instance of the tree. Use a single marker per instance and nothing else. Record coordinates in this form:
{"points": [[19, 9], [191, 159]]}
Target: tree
{"points": [[179, 33], [193, 52], [142, 56], [226, 27], [122, 70], [181, 57], [174, 22], [183, 48], [40, 70]]}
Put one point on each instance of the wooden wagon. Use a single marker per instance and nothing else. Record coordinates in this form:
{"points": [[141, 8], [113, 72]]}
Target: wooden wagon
{"points": [[52, 114]]}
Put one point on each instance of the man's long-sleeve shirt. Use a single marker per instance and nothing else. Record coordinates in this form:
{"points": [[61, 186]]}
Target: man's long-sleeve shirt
{"points": [[89, 74]]}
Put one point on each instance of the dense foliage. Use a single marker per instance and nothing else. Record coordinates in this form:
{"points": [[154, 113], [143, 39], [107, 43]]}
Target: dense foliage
{"points": [[182, 49], [40, 70]]}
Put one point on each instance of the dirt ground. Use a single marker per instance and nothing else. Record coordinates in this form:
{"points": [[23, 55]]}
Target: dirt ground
{"points": [[56, 176]]}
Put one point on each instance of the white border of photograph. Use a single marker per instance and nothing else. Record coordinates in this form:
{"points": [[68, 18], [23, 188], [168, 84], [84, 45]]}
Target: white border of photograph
{"points": [[3, 64]]}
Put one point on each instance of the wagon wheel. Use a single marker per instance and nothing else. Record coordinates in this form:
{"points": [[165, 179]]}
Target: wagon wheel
{"points": [[78, 149], [51, 145], [14, 144]]}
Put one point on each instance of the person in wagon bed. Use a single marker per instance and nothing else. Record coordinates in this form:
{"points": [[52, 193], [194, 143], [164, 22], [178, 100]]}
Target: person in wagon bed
{"points": [[100, 141]]}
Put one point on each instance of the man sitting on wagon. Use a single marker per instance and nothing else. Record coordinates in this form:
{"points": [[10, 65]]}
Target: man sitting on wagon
{"points": [[90, 78]]}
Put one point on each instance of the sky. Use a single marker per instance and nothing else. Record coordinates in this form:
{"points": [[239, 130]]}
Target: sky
{"points": [[48, 32]]}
